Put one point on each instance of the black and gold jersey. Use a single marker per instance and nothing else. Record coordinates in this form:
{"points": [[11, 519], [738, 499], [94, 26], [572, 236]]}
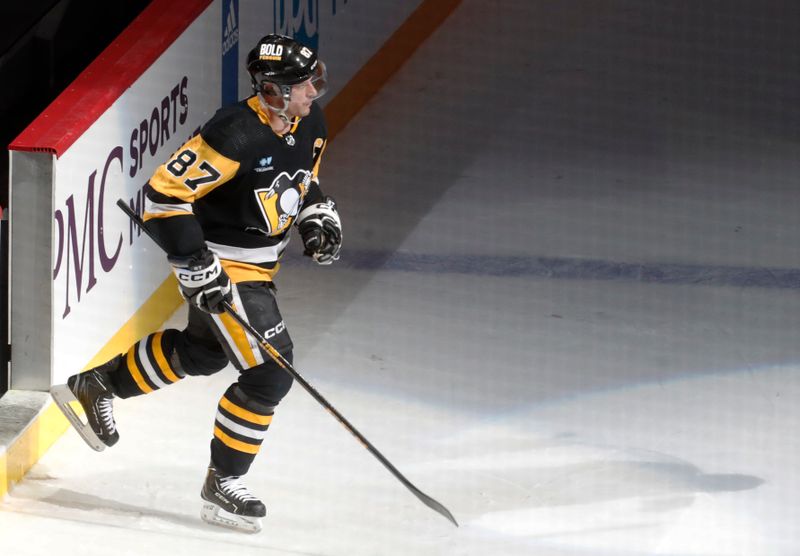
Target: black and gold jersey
{"points": [[237, 187]]}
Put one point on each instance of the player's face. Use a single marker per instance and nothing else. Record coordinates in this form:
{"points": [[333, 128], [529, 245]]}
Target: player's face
{"points": [[303, 94]]}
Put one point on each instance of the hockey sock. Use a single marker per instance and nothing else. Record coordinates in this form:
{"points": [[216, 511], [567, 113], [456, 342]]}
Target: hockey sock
{"points": [[147, 366], [239, 429]]}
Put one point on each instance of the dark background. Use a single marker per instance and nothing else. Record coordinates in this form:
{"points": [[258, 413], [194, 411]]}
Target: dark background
{"points": [[44, 45]]}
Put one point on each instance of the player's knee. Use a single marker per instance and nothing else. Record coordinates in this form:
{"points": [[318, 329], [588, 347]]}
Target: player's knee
{"points": [[267, 382]]}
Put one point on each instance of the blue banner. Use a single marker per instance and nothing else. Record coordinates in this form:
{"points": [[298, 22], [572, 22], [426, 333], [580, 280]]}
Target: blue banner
{"points": [[230, 51], [298, 19]]}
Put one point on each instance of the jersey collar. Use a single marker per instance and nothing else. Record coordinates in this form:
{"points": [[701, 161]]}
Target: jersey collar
{"points": [[263, 116]]}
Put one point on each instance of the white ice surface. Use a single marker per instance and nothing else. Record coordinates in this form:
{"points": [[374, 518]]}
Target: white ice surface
{"points": [[576, 414]]}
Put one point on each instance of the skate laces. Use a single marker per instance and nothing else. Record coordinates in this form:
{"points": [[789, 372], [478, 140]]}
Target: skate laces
{"points": [[106, 413], [234, 486]]}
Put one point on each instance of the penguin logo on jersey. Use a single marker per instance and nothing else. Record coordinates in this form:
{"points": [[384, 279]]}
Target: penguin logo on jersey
{"points": [[280, 202]]}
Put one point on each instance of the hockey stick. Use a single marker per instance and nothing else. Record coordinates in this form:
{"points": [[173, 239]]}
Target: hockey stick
{"points": [[267, 348]]}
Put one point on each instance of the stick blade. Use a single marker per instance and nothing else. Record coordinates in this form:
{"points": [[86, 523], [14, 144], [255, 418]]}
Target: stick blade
{"points": [[437, 507]]}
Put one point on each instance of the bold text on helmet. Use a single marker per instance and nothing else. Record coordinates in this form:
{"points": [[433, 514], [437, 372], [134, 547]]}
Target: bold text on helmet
{"points": [[271, 51]]}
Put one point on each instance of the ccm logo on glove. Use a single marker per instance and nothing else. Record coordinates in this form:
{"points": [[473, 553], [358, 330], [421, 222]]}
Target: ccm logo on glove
{"points": [[198, 278], [202, 280]]}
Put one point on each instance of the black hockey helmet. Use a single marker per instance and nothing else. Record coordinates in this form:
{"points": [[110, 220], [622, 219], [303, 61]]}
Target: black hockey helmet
{"points": [[277, 62]]}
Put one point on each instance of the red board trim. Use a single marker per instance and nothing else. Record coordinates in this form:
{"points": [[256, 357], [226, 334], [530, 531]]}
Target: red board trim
{"points": [[108, 76]]}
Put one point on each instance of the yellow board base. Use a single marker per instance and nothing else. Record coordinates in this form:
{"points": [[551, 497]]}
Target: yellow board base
{"points": [[24, 451], [30, 445]]}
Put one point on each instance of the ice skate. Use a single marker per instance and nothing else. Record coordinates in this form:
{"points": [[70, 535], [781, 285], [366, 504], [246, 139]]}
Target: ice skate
{"points": [[228, 503], [93, 391]]}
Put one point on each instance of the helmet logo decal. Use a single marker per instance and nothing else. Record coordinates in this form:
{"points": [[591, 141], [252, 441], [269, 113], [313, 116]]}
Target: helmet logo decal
{"points": [[270, 52], [305, 52]]}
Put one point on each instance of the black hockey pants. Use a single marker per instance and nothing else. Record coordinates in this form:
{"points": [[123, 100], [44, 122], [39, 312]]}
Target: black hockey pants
{"points": [[205, 347]]}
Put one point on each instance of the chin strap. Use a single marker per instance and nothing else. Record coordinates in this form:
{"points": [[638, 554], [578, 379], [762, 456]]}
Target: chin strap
{"points": [[281, 113]]}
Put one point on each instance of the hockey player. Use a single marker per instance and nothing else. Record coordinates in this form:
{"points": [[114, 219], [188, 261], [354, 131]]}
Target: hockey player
{"points": [[223, 206]]}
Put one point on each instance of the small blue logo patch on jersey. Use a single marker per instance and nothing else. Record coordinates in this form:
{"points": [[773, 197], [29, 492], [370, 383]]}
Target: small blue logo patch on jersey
{"points": [[264, 164]]}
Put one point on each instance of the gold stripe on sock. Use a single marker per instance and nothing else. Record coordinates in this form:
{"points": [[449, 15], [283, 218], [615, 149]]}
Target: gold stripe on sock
{"points": [[242, 413], [237, 445], [136, 373], [158, 353]]}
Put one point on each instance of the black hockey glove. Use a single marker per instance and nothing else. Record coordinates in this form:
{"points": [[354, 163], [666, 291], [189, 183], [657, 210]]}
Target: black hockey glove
{"points": [[203, 281], [321, 230]]}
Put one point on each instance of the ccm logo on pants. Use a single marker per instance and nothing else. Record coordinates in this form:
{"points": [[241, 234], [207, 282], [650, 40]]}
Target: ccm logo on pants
{"points": [[275, 330]]}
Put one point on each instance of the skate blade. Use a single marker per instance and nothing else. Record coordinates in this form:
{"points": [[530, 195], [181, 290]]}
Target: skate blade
{"points": [[213, 514], [64, 399]]}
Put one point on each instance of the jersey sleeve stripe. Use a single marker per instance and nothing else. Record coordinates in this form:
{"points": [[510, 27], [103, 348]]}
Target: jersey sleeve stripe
{"points": [[154, 209], [156, 197], [252, 255], [149, 215], [315, 171]]}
